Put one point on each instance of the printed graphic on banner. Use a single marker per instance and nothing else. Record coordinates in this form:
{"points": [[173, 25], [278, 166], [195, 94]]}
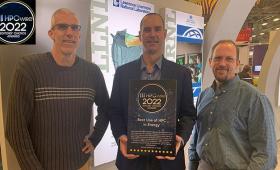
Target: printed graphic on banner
{"points": [[170, 40], [17, 22], [125, 48], [189, 34], [126, 45]]}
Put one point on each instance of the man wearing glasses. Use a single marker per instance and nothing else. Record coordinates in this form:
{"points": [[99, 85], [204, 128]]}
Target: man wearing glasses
{"points": [[51, 101], [235, 124]]}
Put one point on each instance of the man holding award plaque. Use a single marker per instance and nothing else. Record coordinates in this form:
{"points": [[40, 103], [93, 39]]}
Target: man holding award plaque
{"points": [[151, 106]]}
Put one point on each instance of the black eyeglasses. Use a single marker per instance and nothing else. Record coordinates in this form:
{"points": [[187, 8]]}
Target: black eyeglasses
{"points": [[64, 27]]}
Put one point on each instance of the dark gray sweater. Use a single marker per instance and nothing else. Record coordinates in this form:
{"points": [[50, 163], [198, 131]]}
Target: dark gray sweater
{"points": [[49, 112]]}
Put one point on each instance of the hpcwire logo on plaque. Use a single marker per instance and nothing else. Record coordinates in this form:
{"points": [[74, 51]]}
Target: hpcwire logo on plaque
{"points": [[17, 22], [152, 98]]}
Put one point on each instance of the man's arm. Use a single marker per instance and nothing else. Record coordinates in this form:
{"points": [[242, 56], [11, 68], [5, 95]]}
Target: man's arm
{"points": [[118, 124], [193, 156], [262, 135], [187, 112], [20, 110], [102, 102]]}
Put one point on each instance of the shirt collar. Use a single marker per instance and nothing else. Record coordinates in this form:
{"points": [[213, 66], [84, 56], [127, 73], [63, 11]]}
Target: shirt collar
{"points": [[228, 85], [157, 64]]}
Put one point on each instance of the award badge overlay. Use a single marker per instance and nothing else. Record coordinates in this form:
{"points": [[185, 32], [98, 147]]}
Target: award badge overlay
{"points": [[17, 22], [152, 117]]}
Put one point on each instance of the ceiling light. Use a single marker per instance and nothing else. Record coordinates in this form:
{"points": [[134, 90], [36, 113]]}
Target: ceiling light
{"points": [[263, 24], [277, 28], [253, 35], [261, 33], [276, 19]]}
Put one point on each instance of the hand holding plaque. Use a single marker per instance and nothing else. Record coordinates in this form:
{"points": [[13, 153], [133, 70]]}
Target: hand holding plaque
{"points": [[179, 142]]}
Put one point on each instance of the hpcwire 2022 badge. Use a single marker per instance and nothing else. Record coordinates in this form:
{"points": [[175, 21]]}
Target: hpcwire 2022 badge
{"points": [[17, 23]]}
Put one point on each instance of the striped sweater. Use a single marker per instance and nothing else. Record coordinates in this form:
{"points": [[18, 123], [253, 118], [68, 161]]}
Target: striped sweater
{"points": [[49, 112]]}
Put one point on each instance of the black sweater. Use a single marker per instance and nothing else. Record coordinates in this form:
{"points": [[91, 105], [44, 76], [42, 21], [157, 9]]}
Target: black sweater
{"points": [[49, 112]]}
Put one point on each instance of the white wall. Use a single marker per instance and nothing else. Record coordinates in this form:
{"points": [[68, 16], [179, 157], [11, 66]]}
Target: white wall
{"points": [[243, 56]]}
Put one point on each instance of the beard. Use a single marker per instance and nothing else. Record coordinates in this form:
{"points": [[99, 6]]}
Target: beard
{"points": [[221, 74]]}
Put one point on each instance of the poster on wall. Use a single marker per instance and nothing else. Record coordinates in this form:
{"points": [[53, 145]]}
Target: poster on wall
{"points": [[114, 41], [259, 52], [184, 43]]}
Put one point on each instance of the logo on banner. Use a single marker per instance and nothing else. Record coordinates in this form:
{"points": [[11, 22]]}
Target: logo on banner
{"points": [[131, 6], [193, 33], [116, 3], [189, 34], [190, 20], [17, 23]]}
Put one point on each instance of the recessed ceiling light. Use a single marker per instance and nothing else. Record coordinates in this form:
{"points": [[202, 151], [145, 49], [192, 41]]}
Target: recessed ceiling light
{"points": [[261, 33], [253, 35], [264, 23], [276, 19]]}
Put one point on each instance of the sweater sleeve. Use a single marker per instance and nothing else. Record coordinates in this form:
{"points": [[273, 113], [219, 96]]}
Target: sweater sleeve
{"points": [[20, 109], [101, 100]]}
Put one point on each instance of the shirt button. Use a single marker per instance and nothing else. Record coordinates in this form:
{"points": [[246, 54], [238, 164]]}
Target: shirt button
{"points": [[211, 113], [206, 144], [209, 128], [216, 97]]}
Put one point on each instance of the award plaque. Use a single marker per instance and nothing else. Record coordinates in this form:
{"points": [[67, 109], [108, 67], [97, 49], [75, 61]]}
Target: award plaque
{"points": [[152, 117]]}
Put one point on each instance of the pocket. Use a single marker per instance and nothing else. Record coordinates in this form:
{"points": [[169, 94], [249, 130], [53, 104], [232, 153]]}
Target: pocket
{"points": [[240, 120]]}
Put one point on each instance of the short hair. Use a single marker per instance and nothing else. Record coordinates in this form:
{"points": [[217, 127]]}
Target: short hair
{"points": [[61, 10], [149, 14], [226, 42]]}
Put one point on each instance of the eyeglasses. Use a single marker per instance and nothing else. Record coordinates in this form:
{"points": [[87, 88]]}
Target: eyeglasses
{"points": [[64, 27]]}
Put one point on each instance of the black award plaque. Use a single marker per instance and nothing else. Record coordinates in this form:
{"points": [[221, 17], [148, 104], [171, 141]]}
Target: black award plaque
{"points": [[152, 117]]}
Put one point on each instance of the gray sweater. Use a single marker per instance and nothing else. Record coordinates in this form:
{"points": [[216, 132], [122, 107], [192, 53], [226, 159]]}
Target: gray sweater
{"points": [[49, 112]]}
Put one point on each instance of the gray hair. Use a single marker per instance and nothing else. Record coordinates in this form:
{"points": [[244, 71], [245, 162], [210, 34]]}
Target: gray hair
{"points": [[58, 11]]}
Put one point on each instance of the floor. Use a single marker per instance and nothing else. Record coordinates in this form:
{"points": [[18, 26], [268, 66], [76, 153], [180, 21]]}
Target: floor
{"points": [[111, 165]]}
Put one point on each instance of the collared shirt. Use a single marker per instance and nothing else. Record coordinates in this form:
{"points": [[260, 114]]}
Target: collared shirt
{"points": [[155, 74], [235, 128]]}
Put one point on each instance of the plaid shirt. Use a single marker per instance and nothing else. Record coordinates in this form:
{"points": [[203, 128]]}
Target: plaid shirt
{"points": [[235, 128]]}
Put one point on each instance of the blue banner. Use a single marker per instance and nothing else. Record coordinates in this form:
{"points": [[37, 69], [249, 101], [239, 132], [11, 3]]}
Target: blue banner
{"points": [[189, 34]]}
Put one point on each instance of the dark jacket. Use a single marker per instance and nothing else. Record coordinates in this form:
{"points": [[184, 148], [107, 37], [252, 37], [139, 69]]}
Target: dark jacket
{"points": [[186, 113]]}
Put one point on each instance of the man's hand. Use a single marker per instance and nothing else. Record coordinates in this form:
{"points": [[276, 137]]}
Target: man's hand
{"points": [[88, 146], [123, 148], [179, 140]]}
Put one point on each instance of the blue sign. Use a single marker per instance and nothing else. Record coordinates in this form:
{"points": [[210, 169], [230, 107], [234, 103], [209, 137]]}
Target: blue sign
{"points": [[189, 34], [196, 89]]}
